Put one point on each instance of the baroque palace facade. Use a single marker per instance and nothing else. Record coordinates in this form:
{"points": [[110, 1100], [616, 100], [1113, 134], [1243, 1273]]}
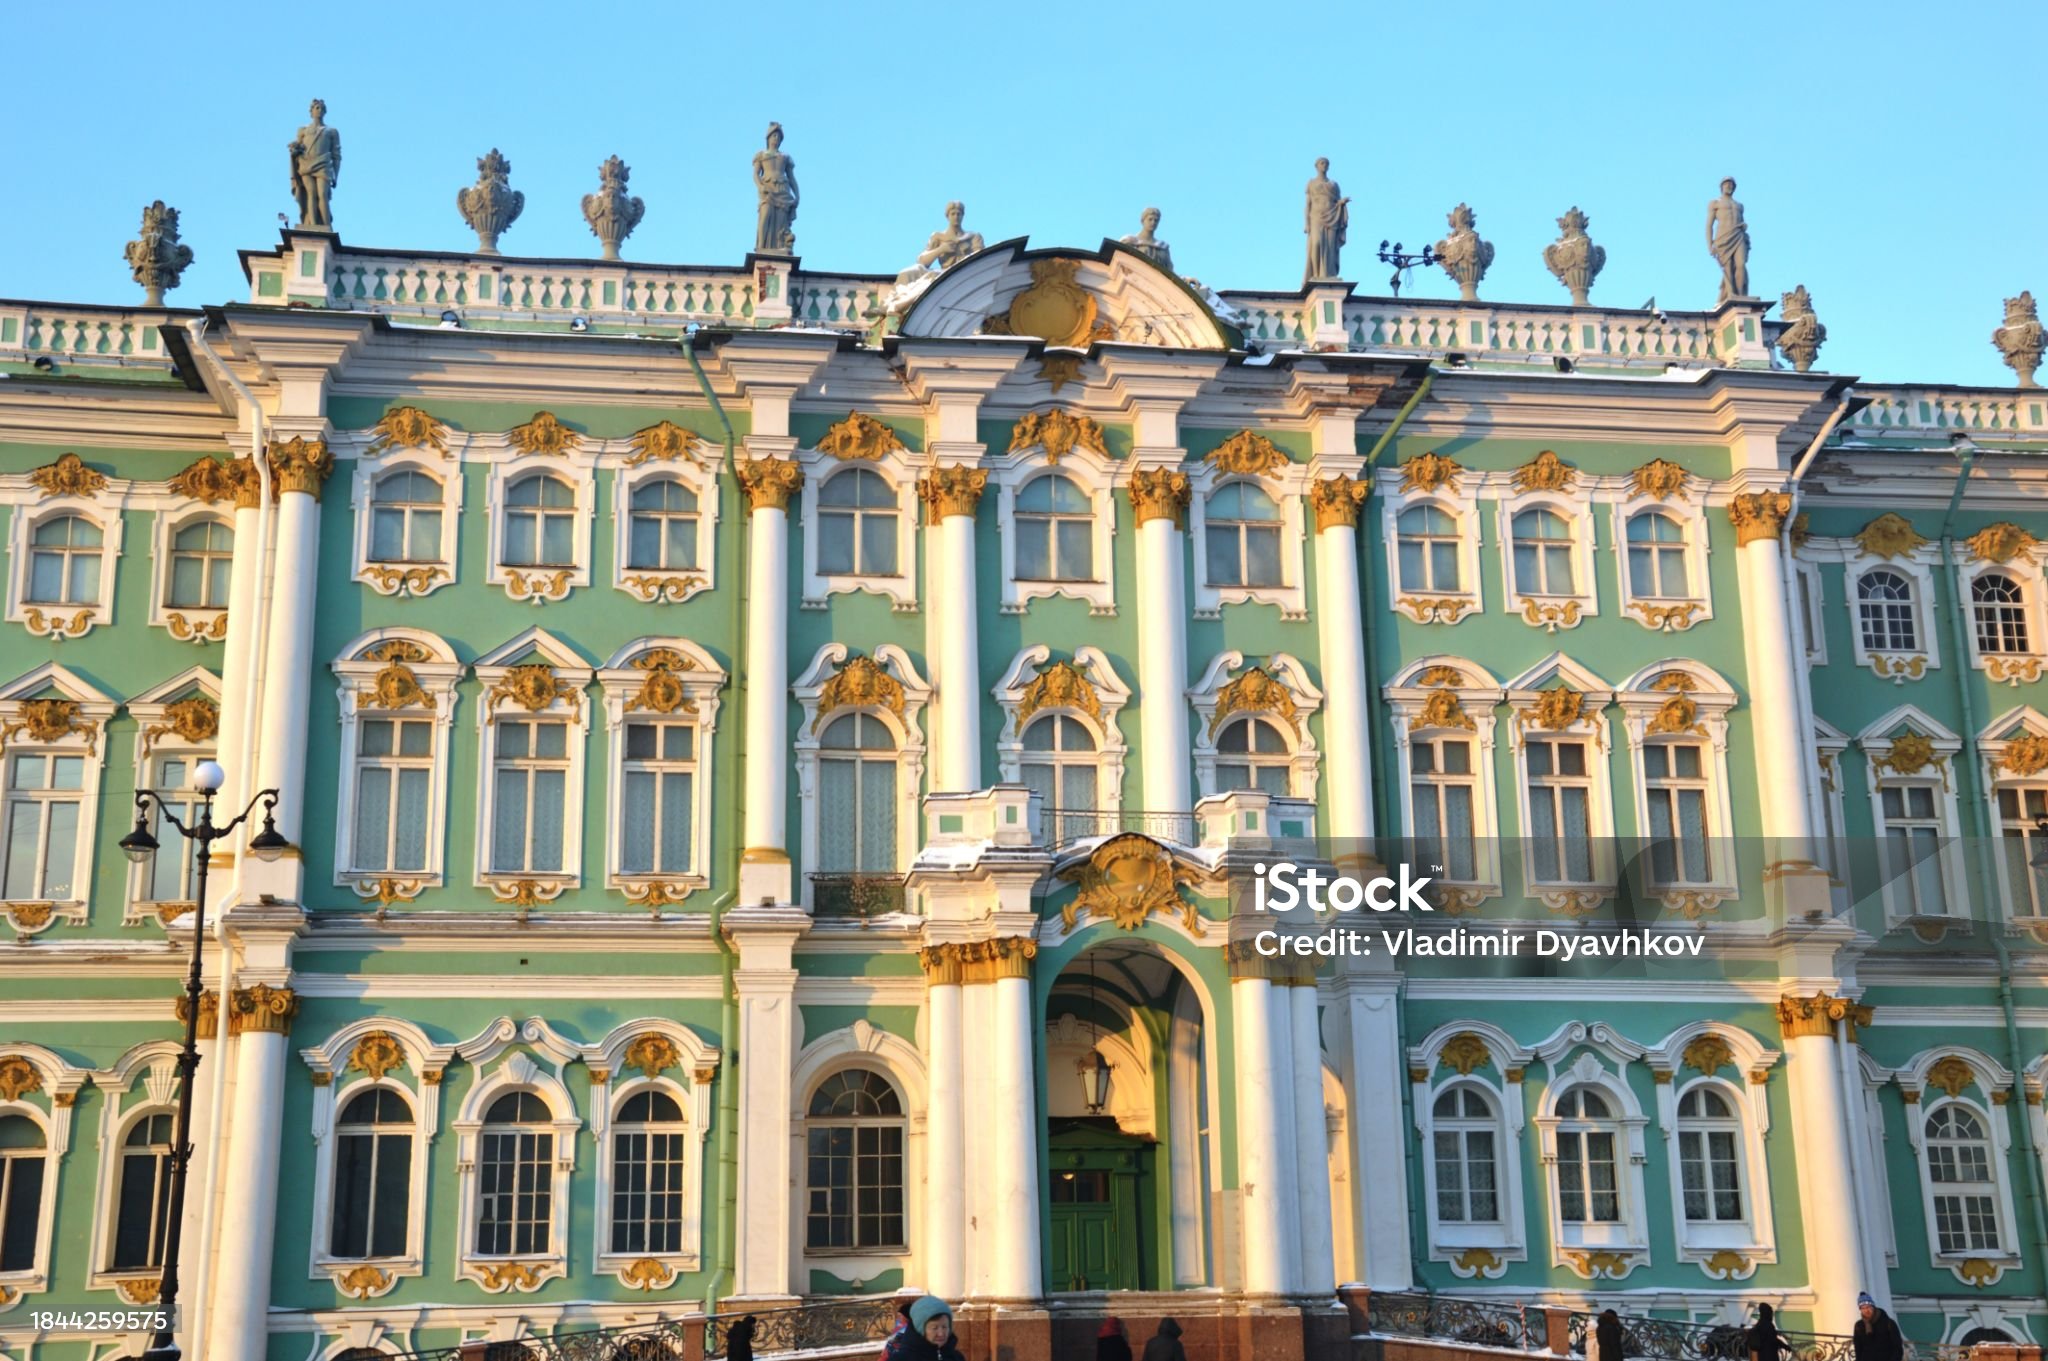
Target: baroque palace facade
{"points": [[776, 768]]}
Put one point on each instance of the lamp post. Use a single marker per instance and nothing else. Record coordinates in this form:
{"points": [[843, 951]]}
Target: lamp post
{"points": [[139, 845]]}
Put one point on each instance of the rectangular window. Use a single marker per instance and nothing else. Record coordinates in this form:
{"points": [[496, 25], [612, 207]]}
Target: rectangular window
{"points": [[1912, 848], [1444, 790], [372, 1195], [45, 800], [173, 872], [21, 1202], [1675, 787], [2018, 808], [515, 1193], [1560, 810], [1585, 1178], [394, 778], [647, 1191], [659, 793], [856, 1186], [530, 778], [1707, 1166]]}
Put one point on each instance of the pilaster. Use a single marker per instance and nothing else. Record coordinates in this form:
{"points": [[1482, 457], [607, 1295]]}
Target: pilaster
{"points": [[766, 939]]}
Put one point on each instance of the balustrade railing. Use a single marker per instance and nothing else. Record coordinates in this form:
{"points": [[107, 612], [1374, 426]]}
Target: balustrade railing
{"points": [[551, 290], [812, 1327], [1674, 1340], [109, 335], [1062, 827], [1480, 1323], [1957, 410], [822, 1326], [856, 895]]}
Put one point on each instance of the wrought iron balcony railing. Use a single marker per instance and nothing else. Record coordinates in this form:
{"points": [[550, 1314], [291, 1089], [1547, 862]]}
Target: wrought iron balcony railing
{"points": [[861, 896]]}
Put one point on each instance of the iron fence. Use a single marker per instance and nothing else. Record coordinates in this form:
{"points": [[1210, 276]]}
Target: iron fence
{"points": [[1062, 827], [1677, 1340], [856, 895], [1480, 1323], [811, 1327]]}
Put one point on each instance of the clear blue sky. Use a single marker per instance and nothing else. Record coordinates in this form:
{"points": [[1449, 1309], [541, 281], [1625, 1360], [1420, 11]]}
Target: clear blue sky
{"points": [[1889, 154]]}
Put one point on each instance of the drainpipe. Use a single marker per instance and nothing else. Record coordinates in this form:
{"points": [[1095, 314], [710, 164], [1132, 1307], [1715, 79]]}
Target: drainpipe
{"points": [[1986, 876], [1372, 692], [729, 1007], [195, 1333]]}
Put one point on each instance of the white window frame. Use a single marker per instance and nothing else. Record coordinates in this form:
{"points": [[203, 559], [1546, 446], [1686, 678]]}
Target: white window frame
{"points": [[576, 467], [622, 684], [569, 705], [1628, 1236], [910, 747], [86, 738], [1111, 751], [1810, 586], [897, 470], [1478, 695], [1288, 487], [1877, 741], [436, 676], [157, 740], [1096, 476], [104, 510], [1990, 1104], [861, 1045], [1830, 745], [153, 1065], [1304, 759], [1666, 614], [1474, 1249], [697, 1064], [1754, 1236], [186, 623], [1711, 698], [2008, 667], [1919, 569], [52, 1115], [2026, 727], [1524, 693], [409, 579], [1437, 607], [664, 586], [518, 1072], [1549, 612]]}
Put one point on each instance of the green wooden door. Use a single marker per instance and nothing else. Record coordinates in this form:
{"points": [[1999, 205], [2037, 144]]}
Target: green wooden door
{"points": [[1099, 1202]]}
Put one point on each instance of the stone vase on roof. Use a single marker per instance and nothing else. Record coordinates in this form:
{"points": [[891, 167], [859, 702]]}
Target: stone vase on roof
{"points": [[612, 212], [157, 257], [491, 205]]}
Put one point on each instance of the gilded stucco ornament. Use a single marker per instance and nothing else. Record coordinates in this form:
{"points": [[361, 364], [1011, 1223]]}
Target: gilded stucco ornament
{"points": [[1464, 1052], [1464, 256], [1551, 615], [860, 683], [1054, 308], [396, 686], [1759, 515], [157, 258], [498, 1277], [1799, 1017], [1057, 432], [1247, 453], [1573, 258], [491, 205], [1442, 709], [1660, 479], [68, 476], [663, 442], [661, 692], [1435, 609], [363, 1282], [1546, 472], [1909, 754], [2001, 543], [407, 427], [1728, 242], [533, 687], [403, 581], [1429, 472], [1441, 675], [211, 480], [650, 1052], [1602, 1264], [1058, 370], [770, 483], [646, 1273], [195, 719], [2024, 755], [1554, 710], [951, 491], [50, 719], [612, 212], [776, 194], [1146, 241], [1336, 501], [1124, 881], [1666, 618], [300, 465], [1061, 685], [859, 436], [376, 1053], [1803, 335], [1708, 1053], [262, 1009], [1255, 691], [1159, 494], [1890, 535], [1326, 220], [140, 1289], [1951, 1074], [18, 1077], [2022, 338], [544, 434]]}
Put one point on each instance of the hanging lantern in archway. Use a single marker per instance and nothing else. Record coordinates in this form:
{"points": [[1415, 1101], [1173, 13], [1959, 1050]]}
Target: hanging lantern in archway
{"points": [[1094, 1071]]}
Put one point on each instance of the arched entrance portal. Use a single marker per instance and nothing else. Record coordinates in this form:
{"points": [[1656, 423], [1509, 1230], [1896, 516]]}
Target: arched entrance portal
{"points": [[1130, 1096]]}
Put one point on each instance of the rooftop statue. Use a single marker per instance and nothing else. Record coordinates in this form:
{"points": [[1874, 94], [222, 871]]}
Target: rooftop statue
{"points": [[1728, 239], [2022, 338], [491, 205], [1328, 218], [1463, 255], [1803, 335], [316, 169], [1146, 242], [775, 181], [1573, 257], [941, 252], [612, 212], [157, 257]]}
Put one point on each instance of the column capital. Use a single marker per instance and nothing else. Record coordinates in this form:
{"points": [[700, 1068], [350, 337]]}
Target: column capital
{"points": [[299, 465], [1160, 494], [986, 961], [1337, 501], [770, 482], [1817, 1015], [951, 491], [262, 1009], [209, 1013], [945, 965], [1759, 515]]}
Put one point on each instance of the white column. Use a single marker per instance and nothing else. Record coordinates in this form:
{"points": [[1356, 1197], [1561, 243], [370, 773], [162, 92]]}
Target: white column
{"points": [[1347, 736], [1783, 751], [1016, 1269], [288, 654], [238, 1329], [977, 1093], [764, 865], [1158, 498], [1311, 1142], [1820, 1134], [245, 590], [945, 1241], [953, 496], [1379, 1142], [1265, 1148], [766, 982]]}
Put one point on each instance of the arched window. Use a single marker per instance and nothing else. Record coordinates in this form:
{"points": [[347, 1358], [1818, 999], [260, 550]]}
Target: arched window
{"points": [[202, 555], [1543, 553], [663, 527], [1999, 607], [854, 1174], [1465, 1131], [1884, 611], [1428, 549], [657, 823], [1588, 1182], [1675, 786], [1055, 531], [540, 518], [1252, 753], [1443, 788], [372, 1176], [64, 562], [857, 796], [22, 1168], [515, 1178], [1656, 557], [1709, 1156], [1059, 763], [647, 1174], [143, 1202], [1959, 1157], [405, 518], [1243, 537], [857, 526]]}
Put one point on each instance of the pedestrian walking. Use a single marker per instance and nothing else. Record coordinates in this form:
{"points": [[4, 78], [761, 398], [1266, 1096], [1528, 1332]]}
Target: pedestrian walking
{"points": [[1110, 1342], [1165, 1344]]}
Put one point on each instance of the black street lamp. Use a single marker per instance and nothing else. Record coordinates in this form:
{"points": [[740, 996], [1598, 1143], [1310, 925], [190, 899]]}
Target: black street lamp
{"points": [[139, 846]]}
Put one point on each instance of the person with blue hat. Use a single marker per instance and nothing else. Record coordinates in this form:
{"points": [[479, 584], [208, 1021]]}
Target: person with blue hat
{"points": [[1877, 1336], [929, 1336]]}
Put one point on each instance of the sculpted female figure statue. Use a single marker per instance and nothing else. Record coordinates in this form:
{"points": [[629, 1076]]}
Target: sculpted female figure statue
{"points": [[775, 181], [949, 247], [1728, 239], [1147, 243], [1328, 218]]}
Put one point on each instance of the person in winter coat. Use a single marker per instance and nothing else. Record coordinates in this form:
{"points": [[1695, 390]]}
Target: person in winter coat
{"points": [[1605, 1344], [1877, 1336], [739, 1341], [1110, 1342], [1765, 1342], [1165, 1344], [929, 1336]]}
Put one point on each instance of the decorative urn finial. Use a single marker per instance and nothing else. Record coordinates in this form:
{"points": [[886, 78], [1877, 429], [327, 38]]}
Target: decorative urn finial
{"points": [[1803, 335], [157, 257], [1463, 255], [612, 212], [2022, 338], [491, 205], [1573, 257]]}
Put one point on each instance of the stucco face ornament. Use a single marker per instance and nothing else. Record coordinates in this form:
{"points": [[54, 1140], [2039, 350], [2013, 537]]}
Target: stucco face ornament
{"points": [[408, 427], [1256, 691], [1054, 308], [1060, 686], [1125, 881], [860, 684]]}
